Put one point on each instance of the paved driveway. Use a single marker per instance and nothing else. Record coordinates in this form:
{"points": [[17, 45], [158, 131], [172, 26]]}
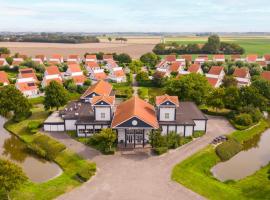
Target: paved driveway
{"points": [[140, 176]]}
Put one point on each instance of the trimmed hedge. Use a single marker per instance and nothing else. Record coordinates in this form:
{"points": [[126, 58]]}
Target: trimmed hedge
{"points": [[34, 125], [160, 150], [228, 149]]}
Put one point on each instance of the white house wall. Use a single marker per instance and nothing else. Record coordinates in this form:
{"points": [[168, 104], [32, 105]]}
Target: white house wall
{"points": [[171, 112], [188, 131], [70, 125], [100, 110], [200, 125]]}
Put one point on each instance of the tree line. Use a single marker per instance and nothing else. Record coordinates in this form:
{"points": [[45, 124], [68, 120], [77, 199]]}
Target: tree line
{"points": [[212, 46]]}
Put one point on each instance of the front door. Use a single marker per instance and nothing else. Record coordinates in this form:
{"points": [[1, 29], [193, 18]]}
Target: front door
{"points": [[135, 136], [130, 138]]}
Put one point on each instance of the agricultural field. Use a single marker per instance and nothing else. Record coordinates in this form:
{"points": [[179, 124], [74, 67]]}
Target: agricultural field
{"points": [[256, 44]]}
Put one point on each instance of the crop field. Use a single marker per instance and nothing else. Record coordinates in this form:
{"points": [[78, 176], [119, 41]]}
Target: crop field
{"points": [[257, 44]]}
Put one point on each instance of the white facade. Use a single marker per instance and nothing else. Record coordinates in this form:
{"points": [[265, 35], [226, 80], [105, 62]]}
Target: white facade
{"points": [[102, 113], [166, 114], [70, 125]]}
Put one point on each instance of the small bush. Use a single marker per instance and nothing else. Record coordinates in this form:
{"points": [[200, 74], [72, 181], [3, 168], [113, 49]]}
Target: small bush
{"points": [[197, 134], [173, 140], [33, 126], [243, 119], [160, 150], [87, 172], [185, 140], [228, 149], [50, 146]]}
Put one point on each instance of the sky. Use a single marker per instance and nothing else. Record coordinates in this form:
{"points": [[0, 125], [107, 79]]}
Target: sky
{"points": [[135, 15]]}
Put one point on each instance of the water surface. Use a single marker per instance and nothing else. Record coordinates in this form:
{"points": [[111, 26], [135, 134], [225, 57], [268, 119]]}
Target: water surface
{"points": [[256, 154], [37, 170]]}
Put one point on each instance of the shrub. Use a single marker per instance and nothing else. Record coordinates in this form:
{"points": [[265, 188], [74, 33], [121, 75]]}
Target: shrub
{"points": [[185, 140], [157, 140], [228, 149], [33, 126], [173, 140], [243, 119], [198, 134], [87, 171], [160, 150], [50, 146]]}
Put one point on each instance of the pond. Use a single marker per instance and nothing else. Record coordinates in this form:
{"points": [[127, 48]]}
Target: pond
{"points": [[256, 154], [37, 170]]}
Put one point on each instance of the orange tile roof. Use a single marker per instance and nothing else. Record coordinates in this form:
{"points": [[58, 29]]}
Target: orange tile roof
{"points": [[28, 73], [51, 70], [187, 57], [161, 99], [262, 63], [92, 64], [4, 55], [219, 56], [119, 73], [235, 56], [135, 107], [108, 99], [71, 62], [22, 56], [112, 63], [216, 70], [26, 86], [58, 80], [170, 58], [53, 63], [267, 57], [107, 56], [240, 72], [3, 77], [42, 57], [100, 76], [2, 62], [79, 79], [252, 57], [56, 56], [91, 56], [266, 75], [175, 67], [16, 62], [74, 68], [194, 68], [100, 88], [73, 57], [212, 81]]}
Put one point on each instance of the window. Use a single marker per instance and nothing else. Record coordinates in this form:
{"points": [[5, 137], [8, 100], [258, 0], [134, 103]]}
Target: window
{"points": [[102, 115], [167, 115]]}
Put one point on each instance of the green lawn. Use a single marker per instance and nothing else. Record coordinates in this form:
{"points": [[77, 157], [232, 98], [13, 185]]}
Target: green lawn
{"points": [[258, 45], [150, 92], [194, 173], [71, 163]]}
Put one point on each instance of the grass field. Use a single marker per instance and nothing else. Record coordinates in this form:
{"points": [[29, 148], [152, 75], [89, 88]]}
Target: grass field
{"points": [[257, 44], [194, 173]]}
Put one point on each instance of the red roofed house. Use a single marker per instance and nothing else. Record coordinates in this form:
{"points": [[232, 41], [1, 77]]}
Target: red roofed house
{"points": [[110, 64], [201, 59], [91, 58], [74, 71], [39, 59], [215, 76], [27, 75], [3, 62], [27, 82], [74, 59], [194, 68], [266, 75], [98, 75], [242, 76], [4, 78], [56, 59], [52, 73], [219, 58], [267, 58], [117, 75], [107, 57], [188, 58], [236, 58], [251, 58], [91, 66], [170, 58], [16, 62]]}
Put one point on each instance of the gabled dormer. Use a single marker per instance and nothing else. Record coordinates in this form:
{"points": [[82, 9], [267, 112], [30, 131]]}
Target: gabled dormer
{"points": [[103, 107], [166, 107]]}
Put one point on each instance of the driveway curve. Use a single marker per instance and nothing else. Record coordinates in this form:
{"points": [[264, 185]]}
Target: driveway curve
{"points": [[139, 176]]}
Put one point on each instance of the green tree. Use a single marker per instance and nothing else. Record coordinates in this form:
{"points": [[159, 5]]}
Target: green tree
{"points": [[135, 66], [191, 87], [55, 96], [11, 176], [232, 98], [142, 77], [70, 85], [158, 79], [122, 58], [12, 100], [229, 81], [216, 98], [110, 39], [156, 139], [150, 59], [213, 45], [263, 86], [4, 50]]}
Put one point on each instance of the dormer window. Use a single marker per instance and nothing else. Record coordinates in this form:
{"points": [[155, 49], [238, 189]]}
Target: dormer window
{"points": [[167, 115]]}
